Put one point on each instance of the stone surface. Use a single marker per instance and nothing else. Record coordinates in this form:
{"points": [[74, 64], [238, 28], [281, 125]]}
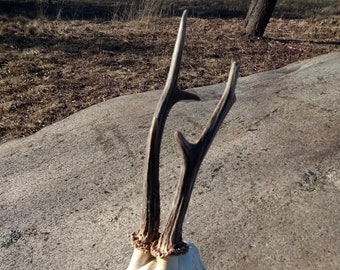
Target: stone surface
{"points": [[267, 195]]}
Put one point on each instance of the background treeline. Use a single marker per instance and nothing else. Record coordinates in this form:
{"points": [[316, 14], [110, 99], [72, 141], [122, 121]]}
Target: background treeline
{"points": [[131, 9]]}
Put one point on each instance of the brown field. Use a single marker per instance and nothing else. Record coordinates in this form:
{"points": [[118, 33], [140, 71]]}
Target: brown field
{"points": [[53, 68]]}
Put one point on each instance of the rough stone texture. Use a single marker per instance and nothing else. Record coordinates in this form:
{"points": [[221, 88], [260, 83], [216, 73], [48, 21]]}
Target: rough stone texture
{"points": [[267, 195]]}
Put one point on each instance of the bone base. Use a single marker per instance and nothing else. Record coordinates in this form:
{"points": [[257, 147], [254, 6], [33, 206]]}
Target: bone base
{"points": [[189, 261]]}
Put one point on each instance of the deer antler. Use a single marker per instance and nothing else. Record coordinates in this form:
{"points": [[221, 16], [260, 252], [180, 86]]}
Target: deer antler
{"points": [[170, 241], [150, 218], [167, 250]]}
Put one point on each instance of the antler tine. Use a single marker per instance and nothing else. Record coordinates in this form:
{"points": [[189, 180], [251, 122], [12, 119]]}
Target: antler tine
{"points": [[150, 217], [170, 241]]}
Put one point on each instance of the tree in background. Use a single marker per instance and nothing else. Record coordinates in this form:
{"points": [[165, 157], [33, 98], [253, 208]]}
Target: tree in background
{"points": [[258, 16]]}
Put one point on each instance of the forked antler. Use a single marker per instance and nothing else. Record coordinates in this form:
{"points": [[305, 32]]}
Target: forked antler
{"points": [[167, 250], [148, 231], [170, 241]]}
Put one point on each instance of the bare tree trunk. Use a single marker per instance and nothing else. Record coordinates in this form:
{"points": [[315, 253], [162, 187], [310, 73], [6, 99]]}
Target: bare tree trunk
{"points": [[258, 16]]}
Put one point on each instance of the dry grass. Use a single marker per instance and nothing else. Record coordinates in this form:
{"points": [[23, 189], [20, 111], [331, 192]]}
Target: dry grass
{"points": [[51, 69]]}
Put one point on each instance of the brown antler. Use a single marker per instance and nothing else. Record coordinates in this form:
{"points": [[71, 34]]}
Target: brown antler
{"points": [[150, 217], [170, 241], [154, 250]]}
